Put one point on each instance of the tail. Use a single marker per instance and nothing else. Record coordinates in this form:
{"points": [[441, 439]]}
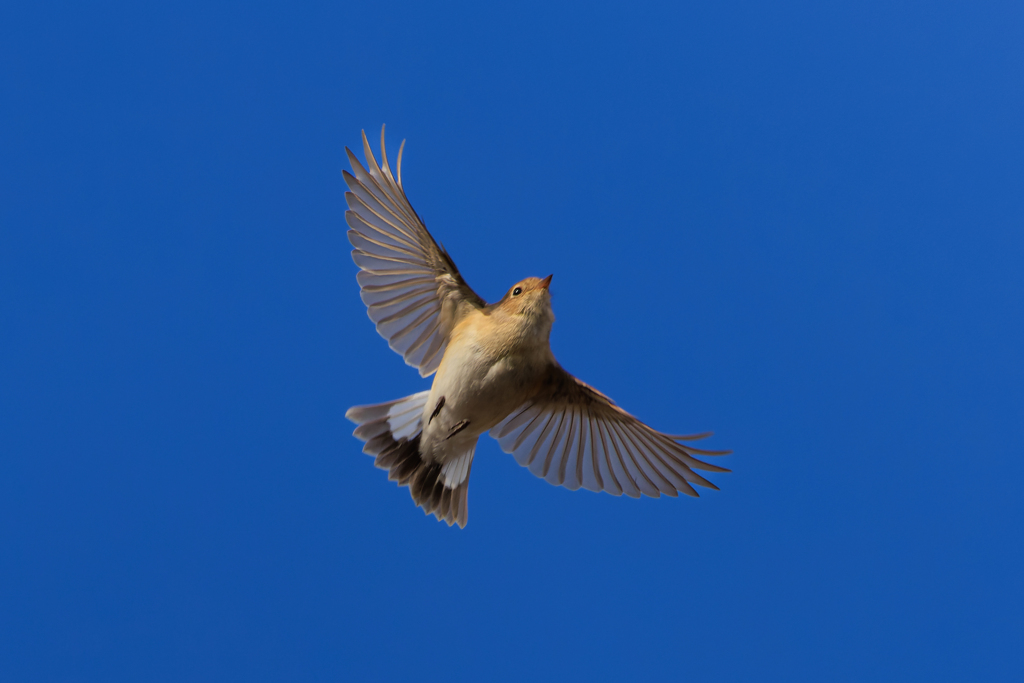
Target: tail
{"points": [[392, 433]]}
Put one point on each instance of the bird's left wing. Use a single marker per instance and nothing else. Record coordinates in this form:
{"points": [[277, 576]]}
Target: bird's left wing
{"points": [[409, 283], [572, 435]]}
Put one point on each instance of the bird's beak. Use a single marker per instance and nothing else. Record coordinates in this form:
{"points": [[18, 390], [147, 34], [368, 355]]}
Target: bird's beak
{"points": [[546, 282]]}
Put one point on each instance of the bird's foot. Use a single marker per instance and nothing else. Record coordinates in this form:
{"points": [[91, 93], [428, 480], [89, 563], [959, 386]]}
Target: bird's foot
{"points": [[456, 428], [437, 409]]}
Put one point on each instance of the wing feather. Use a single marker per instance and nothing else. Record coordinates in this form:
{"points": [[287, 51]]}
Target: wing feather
{"points": [[638, 484], [557, 446], [576, 471], [529, 431], [538, 440], [556, 473], [662, 459], [596, 483], [574, 436], [643, 461], [413, 291], [618, 466], [608, 473]]}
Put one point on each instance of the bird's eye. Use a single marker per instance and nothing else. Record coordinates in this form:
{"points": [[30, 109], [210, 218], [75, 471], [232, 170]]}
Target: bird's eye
{"points": [[517, 291]]}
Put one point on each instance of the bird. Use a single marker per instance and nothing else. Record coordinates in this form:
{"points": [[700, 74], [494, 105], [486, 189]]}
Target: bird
{"points": [[493, 372]]}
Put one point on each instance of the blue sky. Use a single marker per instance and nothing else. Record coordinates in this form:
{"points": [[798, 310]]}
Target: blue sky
{"points": [[798, 225]]}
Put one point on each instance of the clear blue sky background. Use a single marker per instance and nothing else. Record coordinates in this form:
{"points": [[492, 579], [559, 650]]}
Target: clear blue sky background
{"points": [[798, 225]]}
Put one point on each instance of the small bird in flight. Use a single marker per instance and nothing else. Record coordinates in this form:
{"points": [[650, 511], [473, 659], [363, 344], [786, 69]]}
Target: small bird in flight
{"points": [[494, 372]]}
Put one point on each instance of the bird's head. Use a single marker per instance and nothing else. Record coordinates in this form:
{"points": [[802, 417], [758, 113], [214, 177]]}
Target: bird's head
{"points": [[530, 298]]}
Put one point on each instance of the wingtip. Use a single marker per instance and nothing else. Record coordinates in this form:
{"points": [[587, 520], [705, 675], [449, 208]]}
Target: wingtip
{"points": [[384, 153], [398, 163], [356, 166], [371, 161], [690, 437], [701, 451]]}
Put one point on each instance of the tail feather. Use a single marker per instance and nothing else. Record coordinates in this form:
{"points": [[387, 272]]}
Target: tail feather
{"points": [[392, 434]]}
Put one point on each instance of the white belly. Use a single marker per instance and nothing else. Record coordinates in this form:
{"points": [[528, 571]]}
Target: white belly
{"points": [[477, 388]]}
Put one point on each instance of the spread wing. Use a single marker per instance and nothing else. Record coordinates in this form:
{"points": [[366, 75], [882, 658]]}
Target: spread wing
{"points": [[572, 435], [411, 287]]}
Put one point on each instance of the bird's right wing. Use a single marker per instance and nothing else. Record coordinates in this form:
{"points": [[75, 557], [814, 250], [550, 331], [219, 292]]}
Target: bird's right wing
{"points": [[572, 435], [411, 287]]}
